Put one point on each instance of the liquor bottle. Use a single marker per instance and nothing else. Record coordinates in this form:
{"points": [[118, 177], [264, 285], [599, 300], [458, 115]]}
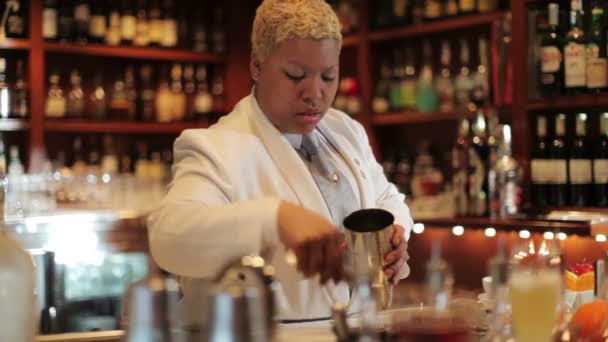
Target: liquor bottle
{"points": [[505, 176], [600, 165], [155, 23], [50, 20], [142, 162], [82, 21], [347, 16], [478, 167], [463, 83], [131, 93], [218, 31], [109, 161], [433, 10], [2, 157], [450, 8], [409, 81], [79, 164], [426, 95], [177, 90], [480, 93], [486, 6], [384, 13], [119, 103], [597, 64], [397, 85], [444, 82], [20, 99], [558, 164], [55, 105], [183, 38], [399, 13], [75, 101], [5, 92], [164, 97], [98, 26], [189, 91], [380, 103], [113, 32], [217, 87], [16, 23], [66, 21], [575, 61], [417, 12], [552, 67], [98, 101], [128, 23], [466, 6], [169, 31], [403, 173], [540, 171], [460, 168], [203, 102], [580, 174], [146, 105], [142, 27], [199, 34]]}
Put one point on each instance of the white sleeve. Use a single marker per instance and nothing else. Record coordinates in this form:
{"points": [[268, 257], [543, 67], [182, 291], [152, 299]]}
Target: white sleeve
{"points": [[197, 228], [386, 193]]}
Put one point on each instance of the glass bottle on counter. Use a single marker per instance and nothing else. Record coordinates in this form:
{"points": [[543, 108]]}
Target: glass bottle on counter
{"points": [[460, 168], [426, 95], [552, 67], [575, 61], [3, 169], [98, 26], [164, 98], [109, 161], [505, 180], [79, 164], [540, 169], [5, 92], [600, 165], [50, 20], [478, 167], [558, 157], [75, 101], [20, 98], [66, 21], [203, 102], [82, 21], [142, 26], [98, 101], [580, 174], [597, 64], [146, 102], [128, 23], [444, 82], [55, 106], [463, 83]]}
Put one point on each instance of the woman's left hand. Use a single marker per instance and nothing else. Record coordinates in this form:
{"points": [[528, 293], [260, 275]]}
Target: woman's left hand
{"points": [[394, 260]]}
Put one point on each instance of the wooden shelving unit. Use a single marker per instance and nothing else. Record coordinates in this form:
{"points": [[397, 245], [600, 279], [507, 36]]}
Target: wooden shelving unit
{"points": [[15, 44], [403, 118], [120, 127], [565, 102], [133, 52], [14, 125]]}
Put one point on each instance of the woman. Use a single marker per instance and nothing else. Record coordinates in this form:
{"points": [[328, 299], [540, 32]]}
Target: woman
{"points": [[250, 183]]}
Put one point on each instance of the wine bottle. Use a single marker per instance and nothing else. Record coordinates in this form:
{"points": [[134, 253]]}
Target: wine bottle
{"points": [[580, 175], [541, 174], [558, 156], [575, 57], [600, 165], [552, 69]]}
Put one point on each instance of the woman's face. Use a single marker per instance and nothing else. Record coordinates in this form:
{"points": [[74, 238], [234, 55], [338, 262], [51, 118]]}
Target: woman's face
{"points": [[297, 83]]}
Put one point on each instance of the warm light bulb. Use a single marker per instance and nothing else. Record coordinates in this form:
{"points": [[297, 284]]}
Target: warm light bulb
{"points": [[600, 238], [562, 236], [549, 236], [524, 234], [418, 228], [490, 232], [458, 230]]}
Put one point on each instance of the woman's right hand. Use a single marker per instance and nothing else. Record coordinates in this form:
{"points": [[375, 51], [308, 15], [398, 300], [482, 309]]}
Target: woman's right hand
{"points": [[317, 243]]}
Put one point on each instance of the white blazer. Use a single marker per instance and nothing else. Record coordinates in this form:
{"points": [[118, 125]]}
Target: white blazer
{"points": [[223, 200]]}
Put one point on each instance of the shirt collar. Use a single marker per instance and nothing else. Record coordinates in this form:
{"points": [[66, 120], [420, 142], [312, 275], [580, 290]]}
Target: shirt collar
{"points": [[295, 140]]}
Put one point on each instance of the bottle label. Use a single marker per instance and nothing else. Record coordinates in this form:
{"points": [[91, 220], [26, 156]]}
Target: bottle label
{"points": [[580, 171], [169, 32], [433, 9], [15, 24], [597, 69], [127, 27], [551, 59], [600, 171], [557, 171], [541, 171], [467, 5], [575, 65], [98, 26], [49, 23], [81, 13], [203, 103], [55, 107]]}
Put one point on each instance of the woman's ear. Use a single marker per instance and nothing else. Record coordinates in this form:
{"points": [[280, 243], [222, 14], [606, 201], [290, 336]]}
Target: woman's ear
{"points": [[254, 67]]}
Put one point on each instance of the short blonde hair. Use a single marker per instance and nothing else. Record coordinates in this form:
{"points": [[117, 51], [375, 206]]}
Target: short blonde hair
{"points": [[280, 20]]}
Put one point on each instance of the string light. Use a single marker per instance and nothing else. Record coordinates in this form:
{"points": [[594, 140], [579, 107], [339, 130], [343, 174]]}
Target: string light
{"points": [[549, 236], [458, 230], [418, 228], [524, 234], [562, 236], [490, 232], [600, 238]]}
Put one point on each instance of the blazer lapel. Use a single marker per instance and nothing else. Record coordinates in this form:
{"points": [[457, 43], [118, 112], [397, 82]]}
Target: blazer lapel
{"points": [[287, 160]]}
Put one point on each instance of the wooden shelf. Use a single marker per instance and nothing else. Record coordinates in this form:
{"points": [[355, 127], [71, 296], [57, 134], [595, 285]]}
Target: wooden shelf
{"points": [[565, 102], [403, 118], [15, 44], [14, 125], [351, 40], [119, 126], [133, 52], [443, 25], [532, 224]]}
